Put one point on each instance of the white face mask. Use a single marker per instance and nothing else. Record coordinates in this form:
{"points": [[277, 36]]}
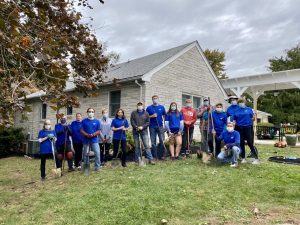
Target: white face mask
{"points": [[205, 103], [90, 115], [105, 115], [48, 127], [188, 104], [155, 101], [173, 107], [234, 102], [219, 109], [242, 104], [230, 129], [140, 107]]}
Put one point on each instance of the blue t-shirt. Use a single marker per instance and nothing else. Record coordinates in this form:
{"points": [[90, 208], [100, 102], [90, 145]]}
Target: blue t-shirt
{"points": [[230, 137], [61, 131], [119, 134], [45, 146], [243, 117], [90, 127], [76, 135], [231, 111], [174, 121], [220, 121], [160, 111]]}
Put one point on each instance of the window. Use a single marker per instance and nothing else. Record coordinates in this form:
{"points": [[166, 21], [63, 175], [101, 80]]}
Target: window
{"points": [[44, 111], [196, 100], [114, 102], [69, 110]]}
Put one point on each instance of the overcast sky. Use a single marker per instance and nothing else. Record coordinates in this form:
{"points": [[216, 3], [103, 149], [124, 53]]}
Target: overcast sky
{"points": [[249, 31]]}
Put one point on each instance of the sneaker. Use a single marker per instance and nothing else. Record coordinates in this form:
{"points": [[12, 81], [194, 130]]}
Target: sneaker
{"points": [[256, 162], [244, 161], [172, 158], [43, 178], [124, 164], [79, 168], [151, 162], [71, 169], [233, 165]]}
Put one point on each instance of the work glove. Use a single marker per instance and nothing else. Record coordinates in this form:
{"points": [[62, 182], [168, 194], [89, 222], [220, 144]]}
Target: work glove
{"points": [[50, 136]]}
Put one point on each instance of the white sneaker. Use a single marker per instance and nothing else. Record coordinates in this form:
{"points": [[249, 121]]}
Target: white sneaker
{"points": [[256, 162], [244, 161], [233, 165]]}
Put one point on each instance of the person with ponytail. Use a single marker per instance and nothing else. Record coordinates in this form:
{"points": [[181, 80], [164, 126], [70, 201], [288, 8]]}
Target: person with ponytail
{"points": [[174, 125]]}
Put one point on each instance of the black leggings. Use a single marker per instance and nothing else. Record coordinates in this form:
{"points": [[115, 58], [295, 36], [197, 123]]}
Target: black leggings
{"points": [[78, 153], [43, 164], [116, 143], [246, 134], [104, 156]]}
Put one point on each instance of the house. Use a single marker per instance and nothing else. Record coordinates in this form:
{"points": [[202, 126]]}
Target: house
{"points": [[262, 117], [174, 75]]}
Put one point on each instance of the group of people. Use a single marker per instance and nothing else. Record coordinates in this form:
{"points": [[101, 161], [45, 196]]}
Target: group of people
{"points": [[73, 141]]}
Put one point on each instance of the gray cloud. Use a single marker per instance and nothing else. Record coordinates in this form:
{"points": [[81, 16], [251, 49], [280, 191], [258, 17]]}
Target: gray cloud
{"points": [[249, 31]]}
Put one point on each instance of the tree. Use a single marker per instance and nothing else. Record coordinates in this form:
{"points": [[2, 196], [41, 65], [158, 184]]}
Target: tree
{"points": [[216, 60], [286, 105], [44, 44]]}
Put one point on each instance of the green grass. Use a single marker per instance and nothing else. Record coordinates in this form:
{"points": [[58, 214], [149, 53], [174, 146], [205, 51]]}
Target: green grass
{"points": [[182, 192]]}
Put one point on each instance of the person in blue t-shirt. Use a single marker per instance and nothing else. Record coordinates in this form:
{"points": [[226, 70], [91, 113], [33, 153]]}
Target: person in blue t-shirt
{"points": [[231, 151], [63, 144], [232, 108], [174, 125], [77, 140], [46, 136], [157, 113], [119, 126], [243, 118], [90, 129], [219, 118]]}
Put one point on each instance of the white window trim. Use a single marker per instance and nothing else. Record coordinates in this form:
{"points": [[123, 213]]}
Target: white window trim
{"points": [[41, 111], [109, 112]]}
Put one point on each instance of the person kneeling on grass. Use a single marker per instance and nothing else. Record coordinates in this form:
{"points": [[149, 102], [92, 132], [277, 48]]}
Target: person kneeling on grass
{"points": [[46, 135], [231, 150], [174, 125]]}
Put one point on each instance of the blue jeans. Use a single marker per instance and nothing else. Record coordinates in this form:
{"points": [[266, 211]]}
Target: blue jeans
{"points": [[137, 136], [157, 131], [232, 158], [96, 149]]}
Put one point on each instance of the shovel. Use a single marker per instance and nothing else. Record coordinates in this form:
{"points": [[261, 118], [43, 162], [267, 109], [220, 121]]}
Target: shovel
{"points": [[116, 161], [142, 160], [86, 165], [213, 135], [56, 171]]}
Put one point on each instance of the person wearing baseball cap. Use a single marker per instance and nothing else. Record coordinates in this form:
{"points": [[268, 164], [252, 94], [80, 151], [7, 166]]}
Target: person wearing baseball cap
{"points": [[233, 106], [140, 121]]}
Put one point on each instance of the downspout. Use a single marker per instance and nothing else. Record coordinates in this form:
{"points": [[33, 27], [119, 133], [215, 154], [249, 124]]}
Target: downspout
{"points": [[140, 89]]}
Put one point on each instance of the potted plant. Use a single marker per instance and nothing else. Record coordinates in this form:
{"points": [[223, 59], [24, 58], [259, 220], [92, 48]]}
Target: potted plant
{"points": [[291, 139]]}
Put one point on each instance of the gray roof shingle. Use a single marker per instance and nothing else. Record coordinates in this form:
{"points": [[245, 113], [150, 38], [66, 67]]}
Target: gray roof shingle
{"points": [[140, 66]]}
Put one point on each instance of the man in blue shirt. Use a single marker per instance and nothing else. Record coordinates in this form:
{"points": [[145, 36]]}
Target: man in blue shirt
{"points": [[218, 121], [90, 130], [232, 145], [243, 118], [233, 107], [77, 140], [157, 113], [63, 143]]}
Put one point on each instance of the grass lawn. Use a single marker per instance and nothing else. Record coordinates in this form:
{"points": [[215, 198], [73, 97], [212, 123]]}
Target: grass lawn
{"points": [[182, 192]]}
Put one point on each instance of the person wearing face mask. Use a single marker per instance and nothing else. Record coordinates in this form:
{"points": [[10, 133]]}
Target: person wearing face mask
{"points": [[243, 118], [140, 121], [233, 107], [189, 117], [105, 136], [157, 114], [217, 124], [174, 125], [77, 140], [202, 113], [90, 130], [119, 126], [46, 136], [231, 150], [63, 143]]}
